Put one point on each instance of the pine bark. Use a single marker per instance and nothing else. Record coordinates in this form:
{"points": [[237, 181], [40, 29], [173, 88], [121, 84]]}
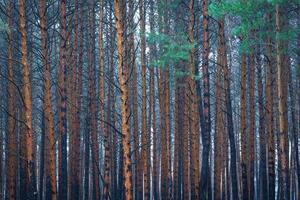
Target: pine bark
{"points": [[50, 151], [62, 106], [163, 95], [12, 152], [282, 107], [251, 148], [205, 171], [219, 128], [27, 164], [145, 142], [125, 112], [270, 118], [244, 156], [107, 154], [193, 105], [76, 83]]}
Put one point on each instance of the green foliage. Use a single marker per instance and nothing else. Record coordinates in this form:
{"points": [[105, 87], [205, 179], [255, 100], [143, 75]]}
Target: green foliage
{"points": [[251, 17], [172, 49]]}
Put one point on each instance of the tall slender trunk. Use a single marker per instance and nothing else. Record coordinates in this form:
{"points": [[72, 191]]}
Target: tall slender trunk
{"points": [[185, 141], [251, 147], [205, 171], [154, 136], [282, 107], [27, 165], [42, 160], [179, 136], [193, 112], [166, 85], [263, 184], [125, 112], [270, 119], [219, 126], [138, 179], [102, 107], [294, 128], [11, 148], [75, 109], [92, 106], [229, 118], [86, 159], [145, 142], [244, 156], [79, 150], [62, 112], [163, 139], [111, 106], [153, 52], [50, 164]]}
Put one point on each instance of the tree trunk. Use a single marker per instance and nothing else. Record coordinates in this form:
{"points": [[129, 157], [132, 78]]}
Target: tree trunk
{"points": [[11, 148], [229, 119], [205, 171], [251, 148], [270, 119], [244, 159], [294, 128], [145, 142], [103, 117], [262, 133], [79, 150], [282, 108], [62, 112], [27, 165], [193, 111], [50, 164], [125, 112], [219, 126], [153, 55], [75, 109], [92, 107]]}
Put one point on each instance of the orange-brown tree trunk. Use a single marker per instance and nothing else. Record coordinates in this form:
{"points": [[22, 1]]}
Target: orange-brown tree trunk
{"points": [[193, 109], [125, 112], [27, 163], [251, 148], [282, 107], [161, 81], [75, 178], [244, 156], [50, 164], [270, 118], [219, 126], [163, 138]]}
